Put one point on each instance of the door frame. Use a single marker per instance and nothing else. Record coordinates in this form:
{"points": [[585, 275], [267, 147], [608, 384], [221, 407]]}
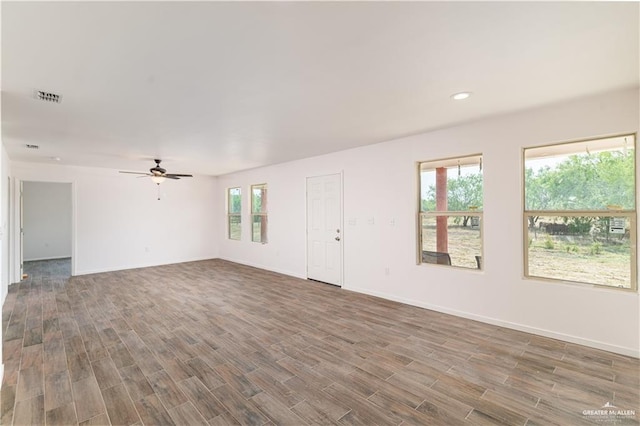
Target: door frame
{"points": [[306, 230], [16, 254]]}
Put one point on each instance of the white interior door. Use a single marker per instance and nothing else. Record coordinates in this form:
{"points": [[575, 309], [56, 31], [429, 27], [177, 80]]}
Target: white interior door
{"points": [[324, 229]]}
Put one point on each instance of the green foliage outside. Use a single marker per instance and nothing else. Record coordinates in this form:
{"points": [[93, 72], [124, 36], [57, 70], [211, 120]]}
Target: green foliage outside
{"points": [[596, 248], [580, 182], [463, 192], [583, 182], [257, 193], [259, 209], [235, 200]]}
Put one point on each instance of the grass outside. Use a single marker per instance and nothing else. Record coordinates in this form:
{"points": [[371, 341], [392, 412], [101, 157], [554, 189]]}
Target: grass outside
{"points": [[579, 258]]}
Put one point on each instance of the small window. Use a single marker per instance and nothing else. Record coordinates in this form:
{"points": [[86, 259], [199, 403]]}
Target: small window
{"points": [[259, 213], [234, 213], [450, 217], [580, 212]]}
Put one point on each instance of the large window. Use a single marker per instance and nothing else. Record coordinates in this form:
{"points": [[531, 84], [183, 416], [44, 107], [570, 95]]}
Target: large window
{"points": [[580, 212], [450, 216], [234, 213], [259, 213]]}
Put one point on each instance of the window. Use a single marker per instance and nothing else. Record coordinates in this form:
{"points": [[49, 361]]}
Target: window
{"points": [[234, 213], [450, 217], [259, 213], [580, 212]]}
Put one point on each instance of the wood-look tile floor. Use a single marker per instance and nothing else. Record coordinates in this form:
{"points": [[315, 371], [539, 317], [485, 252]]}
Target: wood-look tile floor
{"points": [[217, 343]]}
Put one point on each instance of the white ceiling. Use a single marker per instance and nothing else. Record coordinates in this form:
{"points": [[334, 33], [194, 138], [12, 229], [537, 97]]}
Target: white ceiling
{"points": [[212, 88]]}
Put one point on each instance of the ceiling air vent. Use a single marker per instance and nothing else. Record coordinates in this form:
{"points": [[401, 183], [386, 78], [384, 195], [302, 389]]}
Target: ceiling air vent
{"points": [[47, 96], [31, 146]]}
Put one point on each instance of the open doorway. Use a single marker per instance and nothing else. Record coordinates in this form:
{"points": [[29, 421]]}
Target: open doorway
{"points": [[47, 223]]}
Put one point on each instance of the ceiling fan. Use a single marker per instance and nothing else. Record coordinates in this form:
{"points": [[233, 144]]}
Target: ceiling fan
{"points": [[158, 174]]}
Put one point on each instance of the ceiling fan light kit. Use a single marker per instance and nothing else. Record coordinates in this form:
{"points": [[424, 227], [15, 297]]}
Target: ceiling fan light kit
{"points": [[158, 175]]}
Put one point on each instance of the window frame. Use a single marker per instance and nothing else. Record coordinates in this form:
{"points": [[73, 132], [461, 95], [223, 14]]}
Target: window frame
{"points": [[263, 214], [231, 214], [420, 214], [630, 214]]}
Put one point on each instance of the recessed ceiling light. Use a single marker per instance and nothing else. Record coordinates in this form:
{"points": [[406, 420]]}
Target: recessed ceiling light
{"points": [[460, 96], [56, 158]]}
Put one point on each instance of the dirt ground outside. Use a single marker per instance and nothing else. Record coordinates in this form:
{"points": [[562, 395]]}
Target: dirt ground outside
{"points": [[562, 257], [464, 244], [580, 258]]}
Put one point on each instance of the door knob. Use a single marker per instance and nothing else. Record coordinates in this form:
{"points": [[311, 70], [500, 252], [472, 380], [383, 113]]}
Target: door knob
{"points": [[338, 238]]}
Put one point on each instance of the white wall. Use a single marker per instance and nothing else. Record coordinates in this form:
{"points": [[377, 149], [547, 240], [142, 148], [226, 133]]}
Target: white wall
{"points": [[380, 182], [46, 220], [120, 224]]}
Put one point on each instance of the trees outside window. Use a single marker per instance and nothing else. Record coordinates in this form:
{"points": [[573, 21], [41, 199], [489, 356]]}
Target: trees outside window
{"points": [[234, 213], [259, 213], [579, 212], [450, 217]]}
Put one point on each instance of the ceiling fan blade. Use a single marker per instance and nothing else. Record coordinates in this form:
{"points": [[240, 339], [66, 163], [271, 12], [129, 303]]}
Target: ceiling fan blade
{"points": [[136, 173], [158, 172]]}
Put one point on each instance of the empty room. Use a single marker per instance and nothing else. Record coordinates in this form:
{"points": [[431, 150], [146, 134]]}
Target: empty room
{"points": [[319, 213]]}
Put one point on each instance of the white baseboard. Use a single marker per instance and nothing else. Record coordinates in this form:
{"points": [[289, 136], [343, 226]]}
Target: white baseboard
{"points": [[632, 352], [136, 266], [266, 268], [48, 258], [3, 296]]}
